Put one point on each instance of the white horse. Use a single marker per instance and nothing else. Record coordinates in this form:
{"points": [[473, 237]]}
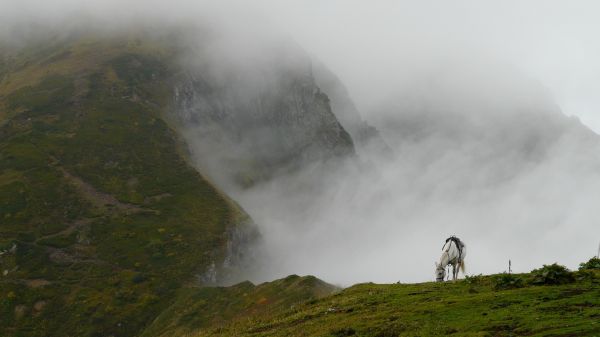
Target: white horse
{"points": [[453, 253]]}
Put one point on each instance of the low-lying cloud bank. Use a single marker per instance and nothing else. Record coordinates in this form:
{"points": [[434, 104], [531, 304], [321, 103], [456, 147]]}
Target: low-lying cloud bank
{"points": [[514, 179]]}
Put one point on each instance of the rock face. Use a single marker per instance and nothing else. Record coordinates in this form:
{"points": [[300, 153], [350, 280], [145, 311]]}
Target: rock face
{"points": [[368, 140], [251, 124]]}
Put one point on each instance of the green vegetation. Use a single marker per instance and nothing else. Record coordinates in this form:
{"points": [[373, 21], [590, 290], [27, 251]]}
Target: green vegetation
{"points": [[507, 281], [471, 307], [593, 263], [107, 219], [552, 274], [220, 306]]}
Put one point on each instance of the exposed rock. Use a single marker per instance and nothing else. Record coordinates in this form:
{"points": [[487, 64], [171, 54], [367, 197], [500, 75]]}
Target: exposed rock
{"points": [[251, 127], [367, 138], [233, 264]]}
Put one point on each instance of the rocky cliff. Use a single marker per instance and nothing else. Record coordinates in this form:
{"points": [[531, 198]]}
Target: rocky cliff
{"points": [[253, 121]]}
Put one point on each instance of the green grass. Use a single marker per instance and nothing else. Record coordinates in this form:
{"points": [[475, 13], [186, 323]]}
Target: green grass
{"points": [[470, 307], [212, 307]]}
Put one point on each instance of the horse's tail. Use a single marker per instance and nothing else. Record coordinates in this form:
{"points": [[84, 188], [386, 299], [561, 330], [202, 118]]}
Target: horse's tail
{"points": [[462, 267]]}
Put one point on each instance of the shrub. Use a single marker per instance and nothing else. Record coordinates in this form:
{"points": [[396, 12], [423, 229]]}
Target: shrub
{"points": [[585, 275], [593, 263], [473, 279], [507, 281], [552, 274]]}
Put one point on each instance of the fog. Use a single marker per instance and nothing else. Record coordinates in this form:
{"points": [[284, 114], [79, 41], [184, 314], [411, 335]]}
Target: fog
{"points": [[514, 179], [472, 99]]}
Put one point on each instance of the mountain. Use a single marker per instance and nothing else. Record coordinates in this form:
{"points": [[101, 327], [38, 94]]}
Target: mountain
{"points": [[249, 122], [107, 218], [368, 140]]}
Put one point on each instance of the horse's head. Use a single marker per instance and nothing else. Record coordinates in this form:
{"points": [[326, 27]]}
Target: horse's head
{"points": [[440, 272]]}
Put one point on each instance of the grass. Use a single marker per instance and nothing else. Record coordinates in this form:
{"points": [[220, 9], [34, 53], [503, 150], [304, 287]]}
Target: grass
{"points": [[213, 307], [472, 307]]}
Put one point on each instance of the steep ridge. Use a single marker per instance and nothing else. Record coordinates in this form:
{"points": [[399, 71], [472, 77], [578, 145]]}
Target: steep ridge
{"points": [[102, 216], [368, 139], [249, 122]]}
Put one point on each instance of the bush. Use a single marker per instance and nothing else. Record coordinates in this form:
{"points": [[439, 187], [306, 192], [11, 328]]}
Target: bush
{"points": [[507, 281], [552, 274], [585, 275], [473, 279], [593, 263]]}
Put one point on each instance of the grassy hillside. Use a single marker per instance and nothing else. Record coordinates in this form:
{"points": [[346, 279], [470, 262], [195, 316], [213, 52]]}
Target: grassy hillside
{"points": [[102, 220], [497, 305], [197, 308]]}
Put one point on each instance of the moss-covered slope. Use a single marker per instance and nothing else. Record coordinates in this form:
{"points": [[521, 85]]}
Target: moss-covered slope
{"points": [[101, 217]]}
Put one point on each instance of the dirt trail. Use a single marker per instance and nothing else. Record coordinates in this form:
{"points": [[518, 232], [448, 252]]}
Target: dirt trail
{"points": [[100, 199]]}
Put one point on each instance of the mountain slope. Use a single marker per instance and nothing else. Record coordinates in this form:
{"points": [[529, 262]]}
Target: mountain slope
{"points": [[105, 221], [221, 306], [472, 307], [102, 217]]}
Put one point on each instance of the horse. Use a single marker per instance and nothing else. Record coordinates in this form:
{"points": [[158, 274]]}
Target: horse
{"points": [[453, 253]]}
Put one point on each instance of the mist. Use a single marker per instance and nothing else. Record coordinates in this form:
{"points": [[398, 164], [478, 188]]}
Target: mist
{"points": [[516, 180], [472, 99]]}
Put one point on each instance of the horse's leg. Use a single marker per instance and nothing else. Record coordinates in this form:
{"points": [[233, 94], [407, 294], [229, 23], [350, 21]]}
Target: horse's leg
{"points": [[457, 270]]}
